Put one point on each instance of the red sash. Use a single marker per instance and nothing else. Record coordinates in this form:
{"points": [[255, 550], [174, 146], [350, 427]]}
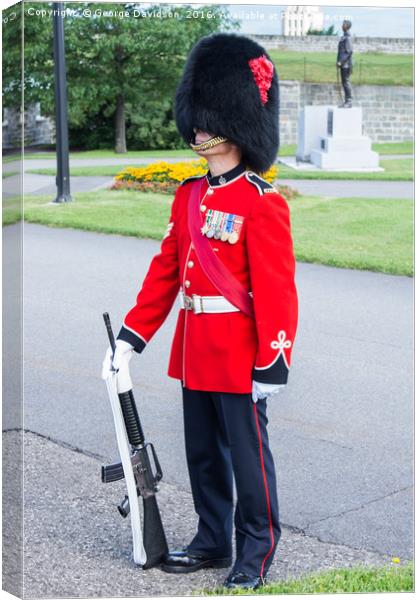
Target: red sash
{"points": [[213, 267]]}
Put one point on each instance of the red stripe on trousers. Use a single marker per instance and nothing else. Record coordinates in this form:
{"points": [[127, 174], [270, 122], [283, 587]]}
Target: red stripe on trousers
{"points": [[267, 496]]}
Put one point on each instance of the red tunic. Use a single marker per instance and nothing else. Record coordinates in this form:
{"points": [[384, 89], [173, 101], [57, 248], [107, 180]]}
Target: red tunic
{"points": [[224, 352]]}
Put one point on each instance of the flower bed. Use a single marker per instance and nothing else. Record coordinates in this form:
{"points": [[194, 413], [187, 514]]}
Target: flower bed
{"points": [[164, 177]]}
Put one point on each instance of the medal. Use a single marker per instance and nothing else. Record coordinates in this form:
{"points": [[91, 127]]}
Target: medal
{"points": [[222, 226], [237, 226], [212, 229], [218, 227], [207, 227], [228, 227]]}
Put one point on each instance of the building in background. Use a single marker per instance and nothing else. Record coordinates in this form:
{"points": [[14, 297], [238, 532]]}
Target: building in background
{"points": [[297, 20]]}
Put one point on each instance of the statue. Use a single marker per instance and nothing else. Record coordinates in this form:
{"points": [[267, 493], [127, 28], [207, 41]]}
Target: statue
{"points": [[344, 63]]}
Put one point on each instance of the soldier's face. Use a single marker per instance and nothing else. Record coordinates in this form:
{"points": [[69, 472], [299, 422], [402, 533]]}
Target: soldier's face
{"points": [[203, 136]]}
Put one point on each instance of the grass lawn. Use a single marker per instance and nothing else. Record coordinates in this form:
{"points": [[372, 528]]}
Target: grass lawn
{"points": [[123, 212], [96, 170], [11, 210], [406, 147], [398, 578], [11, 157], [395, 170], [356, 233], [286, 150], [371, 68]]}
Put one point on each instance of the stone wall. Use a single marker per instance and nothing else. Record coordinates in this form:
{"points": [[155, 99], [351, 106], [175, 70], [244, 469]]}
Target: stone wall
{"points": [[388, 111], [328, 43], [290, 103], [38, 130]]}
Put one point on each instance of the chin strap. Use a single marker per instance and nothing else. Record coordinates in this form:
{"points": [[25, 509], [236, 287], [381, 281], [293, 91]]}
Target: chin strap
{"points": [[218, 139]]}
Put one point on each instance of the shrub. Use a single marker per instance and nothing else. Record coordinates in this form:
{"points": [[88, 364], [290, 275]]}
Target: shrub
{"points": [[164, 176], [287, 192]]}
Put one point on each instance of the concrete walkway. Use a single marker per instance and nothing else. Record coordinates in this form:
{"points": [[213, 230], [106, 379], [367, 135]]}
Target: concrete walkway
{"points": [[48, 163], [341, 433], [51, 163], [45, 185], [77, 545], [352, 189]]}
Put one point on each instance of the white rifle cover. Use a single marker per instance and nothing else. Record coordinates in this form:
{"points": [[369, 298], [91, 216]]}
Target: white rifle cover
{"points": [[139, 553]]}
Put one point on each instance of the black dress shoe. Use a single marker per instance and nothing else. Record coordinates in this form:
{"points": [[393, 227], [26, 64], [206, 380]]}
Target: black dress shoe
{"points": [[237, 580], [182, 561]]}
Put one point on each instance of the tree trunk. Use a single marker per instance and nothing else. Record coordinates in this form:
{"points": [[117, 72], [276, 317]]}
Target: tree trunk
{"points": [[120, 140]]}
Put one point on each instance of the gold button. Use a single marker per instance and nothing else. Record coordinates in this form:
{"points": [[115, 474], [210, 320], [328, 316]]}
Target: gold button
{"points": [[187, 283], [190, 264], [203, 208]]}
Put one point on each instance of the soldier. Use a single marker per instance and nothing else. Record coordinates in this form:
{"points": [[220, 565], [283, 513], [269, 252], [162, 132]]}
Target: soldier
{"points": [[238, 317], [344, 62]]}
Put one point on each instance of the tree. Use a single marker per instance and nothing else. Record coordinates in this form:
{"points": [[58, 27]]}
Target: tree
{"points": [[328, 31], [119, 58]]}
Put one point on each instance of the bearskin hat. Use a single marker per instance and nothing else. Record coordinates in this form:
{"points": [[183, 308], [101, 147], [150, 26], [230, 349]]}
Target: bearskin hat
{"points": [[230, 88]]}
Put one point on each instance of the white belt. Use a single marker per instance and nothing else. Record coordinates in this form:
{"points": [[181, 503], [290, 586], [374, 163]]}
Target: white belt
{"points": [[206, 304]]}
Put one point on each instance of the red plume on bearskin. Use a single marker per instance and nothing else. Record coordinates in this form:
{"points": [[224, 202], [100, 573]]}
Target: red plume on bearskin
{"points": [[230, 88]]}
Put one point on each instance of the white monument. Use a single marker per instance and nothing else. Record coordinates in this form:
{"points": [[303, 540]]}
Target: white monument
{"points": [[331, 138], [297, 20]]}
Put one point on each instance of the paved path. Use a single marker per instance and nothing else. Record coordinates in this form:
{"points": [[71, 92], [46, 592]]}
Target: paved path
{"points": [[48, 163], [51, 163], [45, 185], [77, 545], [341, 432], [352, 189], [40, 185]]}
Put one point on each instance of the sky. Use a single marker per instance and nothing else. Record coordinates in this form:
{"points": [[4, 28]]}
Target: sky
{"points": [[367, 21], [373, 21]]}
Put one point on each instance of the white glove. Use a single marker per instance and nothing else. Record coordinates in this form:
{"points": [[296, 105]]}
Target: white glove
{"points": [[122, 356], [265, 390]]}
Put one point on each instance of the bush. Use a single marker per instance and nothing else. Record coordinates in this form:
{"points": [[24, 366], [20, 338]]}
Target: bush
{"points": [[287, 192], [152, 127], [164, 177]]}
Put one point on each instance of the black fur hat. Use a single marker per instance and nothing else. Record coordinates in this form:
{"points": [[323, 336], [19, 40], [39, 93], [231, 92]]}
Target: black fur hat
{"points": [[229, 87]]}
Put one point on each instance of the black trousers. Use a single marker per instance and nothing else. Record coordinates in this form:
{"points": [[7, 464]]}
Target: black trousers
{"points": [[225, 437], [345, 80]]}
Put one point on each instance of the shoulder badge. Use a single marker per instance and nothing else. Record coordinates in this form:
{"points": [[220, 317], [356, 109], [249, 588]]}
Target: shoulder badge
{"points": [[192, 178], [263, 186]]}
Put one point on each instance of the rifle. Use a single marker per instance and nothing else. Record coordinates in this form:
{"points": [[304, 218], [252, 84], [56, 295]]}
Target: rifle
{"points": [[135, 466]]}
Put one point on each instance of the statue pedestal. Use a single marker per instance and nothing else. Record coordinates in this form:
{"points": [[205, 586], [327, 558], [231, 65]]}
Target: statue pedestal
{"points": [[312, 125], [331, 138]]}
